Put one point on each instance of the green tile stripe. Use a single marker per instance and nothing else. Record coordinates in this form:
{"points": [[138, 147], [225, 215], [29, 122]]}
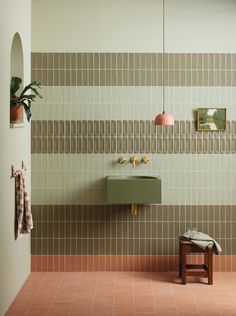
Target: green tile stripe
{"points": [[134, 69], [111, 230], [94, 137]]}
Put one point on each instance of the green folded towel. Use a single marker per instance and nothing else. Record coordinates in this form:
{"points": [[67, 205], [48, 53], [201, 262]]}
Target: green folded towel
{"points": [[202, 240]]}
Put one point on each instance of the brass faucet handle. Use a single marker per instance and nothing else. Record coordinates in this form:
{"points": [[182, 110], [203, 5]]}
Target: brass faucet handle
{"points": [[121, 159], [145, 159]]}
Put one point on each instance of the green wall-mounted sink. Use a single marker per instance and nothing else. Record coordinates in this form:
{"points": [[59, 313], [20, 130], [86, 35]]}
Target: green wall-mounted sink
{"points": [[133, 189]]}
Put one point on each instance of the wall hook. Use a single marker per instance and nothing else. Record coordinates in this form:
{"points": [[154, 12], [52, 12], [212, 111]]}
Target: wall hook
{"points": [[13, 170]]}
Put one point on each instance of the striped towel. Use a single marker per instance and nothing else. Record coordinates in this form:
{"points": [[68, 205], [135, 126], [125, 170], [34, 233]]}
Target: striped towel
{"points": [[24, 221]]}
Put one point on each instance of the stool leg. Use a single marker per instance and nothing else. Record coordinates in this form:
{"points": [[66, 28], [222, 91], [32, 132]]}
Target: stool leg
{"points": [[206, 262], [180, 257], [210, 266], [183, 264]]}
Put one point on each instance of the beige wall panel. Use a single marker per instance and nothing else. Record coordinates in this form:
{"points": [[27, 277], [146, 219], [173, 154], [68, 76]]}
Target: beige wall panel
{"points": [[15, 147]]}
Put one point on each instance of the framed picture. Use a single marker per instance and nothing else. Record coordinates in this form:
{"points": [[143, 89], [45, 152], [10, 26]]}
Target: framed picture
{"points": [[211, 119]]}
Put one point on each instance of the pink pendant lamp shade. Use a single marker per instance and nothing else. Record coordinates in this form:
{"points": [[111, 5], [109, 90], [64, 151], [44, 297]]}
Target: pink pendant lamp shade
{"points": [[163, 119]]}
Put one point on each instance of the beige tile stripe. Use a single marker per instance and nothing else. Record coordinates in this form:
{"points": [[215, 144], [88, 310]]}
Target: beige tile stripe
{"points": [[111, 229], [94, 137], [133, 69]]}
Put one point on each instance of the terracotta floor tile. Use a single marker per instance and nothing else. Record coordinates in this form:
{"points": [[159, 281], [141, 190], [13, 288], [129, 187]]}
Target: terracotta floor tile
{"points": [[18, 307], [38, 311], [80, 313], [81, 309], [101, 311], [145, 310], [105, 300], [124, 291], [123, 294], [123, 299], [119, 312], [123, 308]]}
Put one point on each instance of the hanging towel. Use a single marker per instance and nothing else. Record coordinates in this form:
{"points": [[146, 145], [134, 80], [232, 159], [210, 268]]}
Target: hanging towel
{"points": [[24, 221], [202, 240]]}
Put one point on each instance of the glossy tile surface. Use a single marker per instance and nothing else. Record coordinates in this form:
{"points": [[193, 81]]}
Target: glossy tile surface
{"points": [[124, 293]]}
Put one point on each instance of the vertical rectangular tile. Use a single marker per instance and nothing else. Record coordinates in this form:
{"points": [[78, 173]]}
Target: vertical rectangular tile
{"points": [[125, 145], [142, 145], [130, 145], [107, 145], [119, 128], [125, 128], [148, 128], [108, 128], [153, 145], [136, 145], [113, 128], [90, 128], [96, 128], [67, 145], [90, 145], [159, 145], [85, 145], [102, 128], [96, 145], [119, 145], [233, 145]]}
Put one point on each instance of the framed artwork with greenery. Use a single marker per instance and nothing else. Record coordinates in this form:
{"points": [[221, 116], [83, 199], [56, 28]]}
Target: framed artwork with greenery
{"points": [[211, 119]]}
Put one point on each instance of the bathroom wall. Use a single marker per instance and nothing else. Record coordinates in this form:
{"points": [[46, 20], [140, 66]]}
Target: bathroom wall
{"points": [[102, 88], [15, 147]]}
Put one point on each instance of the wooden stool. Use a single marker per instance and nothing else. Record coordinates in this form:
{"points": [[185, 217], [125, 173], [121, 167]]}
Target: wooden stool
{"points": [[186, 247]]}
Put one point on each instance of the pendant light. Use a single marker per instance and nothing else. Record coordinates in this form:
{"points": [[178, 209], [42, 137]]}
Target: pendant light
{"points": [[164, 118]]}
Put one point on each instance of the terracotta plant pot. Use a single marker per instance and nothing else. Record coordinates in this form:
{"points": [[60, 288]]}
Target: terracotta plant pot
{"points": [[16, 114]]}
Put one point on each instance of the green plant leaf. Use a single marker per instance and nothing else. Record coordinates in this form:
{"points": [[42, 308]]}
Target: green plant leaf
{"points": [[15, 85], [30, 87], [24, 99], [28, 97], [27, 111]]}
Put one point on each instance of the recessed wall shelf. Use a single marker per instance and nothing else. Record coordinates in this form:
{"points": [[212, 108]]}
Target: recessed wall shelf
{"points": [[16, 125]]}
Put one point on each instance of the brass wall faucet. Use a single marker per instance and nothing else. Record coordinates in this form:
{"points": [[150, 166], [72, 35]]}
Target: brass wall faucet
{"points": [[133, 160]]}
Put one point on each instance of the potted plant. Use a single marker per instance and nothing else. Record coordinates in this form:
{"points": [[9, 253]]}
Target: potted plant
{"points": [[17, 103]]}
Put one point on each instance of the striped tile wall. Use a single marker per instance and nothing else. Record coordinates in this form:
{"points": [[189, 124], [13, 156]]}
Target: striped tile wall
{"points": [[112, 230], [110, 137], [133, 69], [97, 106]]}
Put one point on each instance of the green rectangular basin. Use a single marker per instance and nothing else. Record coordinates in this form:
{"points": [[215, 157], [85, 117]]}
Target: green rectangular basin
{"points": [[133, 190]]}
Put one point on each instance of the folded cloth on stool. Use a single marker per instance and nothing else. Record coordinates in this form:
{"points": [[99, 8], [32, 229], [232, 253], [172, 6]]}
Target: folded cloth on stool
{"points": [[202, 240]]}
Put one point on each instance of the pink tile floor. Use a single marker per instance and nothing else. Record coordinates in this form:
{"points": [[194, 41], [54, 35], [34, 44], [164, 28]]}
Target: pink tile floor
{"points": [[124, 293]]}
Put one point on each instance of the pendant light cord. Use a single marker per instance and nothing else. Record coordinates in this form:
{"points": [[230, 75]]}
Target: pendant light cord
{"points": [[163, 56]]}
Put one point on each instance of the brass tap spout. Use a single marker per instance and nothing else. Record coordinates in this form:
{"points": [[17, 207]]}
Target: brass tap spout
{"points": [[133, 160]]}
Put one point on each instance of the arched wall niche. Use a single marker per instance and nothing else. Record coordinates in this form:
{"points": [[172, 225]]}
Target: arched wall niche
{"points": [[17, 62], [17, 70]]}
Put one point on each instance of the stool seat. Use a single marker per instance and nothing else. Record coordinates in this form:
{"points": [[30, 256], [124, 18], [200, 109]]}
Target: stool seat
{"points": [[206, 269]]}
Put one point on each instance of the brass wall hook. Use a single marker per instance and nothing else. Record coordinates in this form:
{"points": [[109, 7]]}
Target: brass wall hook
{"points": [[23, 165], [13, 169]]}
